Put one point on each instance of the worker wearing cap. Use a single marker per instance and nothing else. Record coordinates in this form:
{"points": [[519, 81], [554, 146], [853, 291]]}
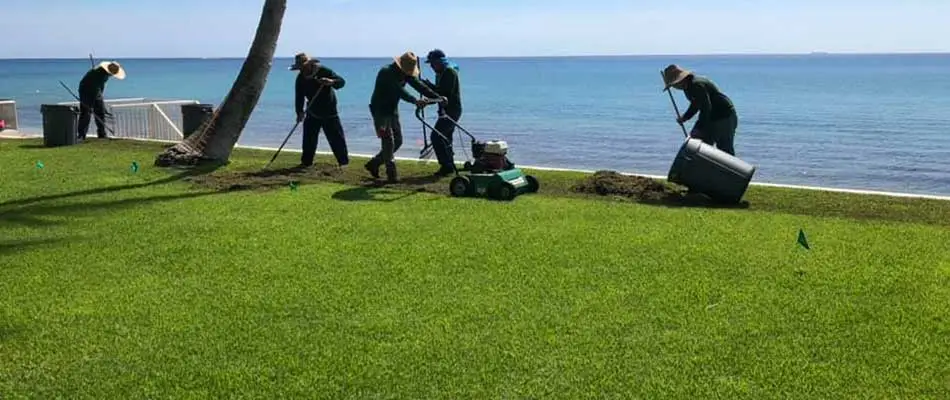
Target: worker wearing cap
{"points": [[317, 84], [91, 97], [390, 87], [717, 115], [446, 85]]}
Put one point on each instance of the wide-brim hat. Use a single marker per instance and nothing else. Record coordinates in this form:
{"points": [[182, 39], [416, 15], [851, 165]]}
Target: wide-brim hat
{"points": [[674, 74], [113, 68], [301, 59], [408, 62]]}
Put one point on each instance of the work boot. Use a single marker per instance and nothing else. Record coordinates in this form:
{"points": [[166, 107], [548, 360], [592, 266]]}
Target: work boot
{"points": [[302, 167], [444, 171], [373, 168], [391, 176]]}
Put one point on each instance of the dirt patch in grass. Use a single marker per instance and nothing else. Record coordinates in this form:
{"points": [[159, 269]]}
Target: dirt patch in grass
{"points": [[320, 173], [600, 184], [646, 190]]}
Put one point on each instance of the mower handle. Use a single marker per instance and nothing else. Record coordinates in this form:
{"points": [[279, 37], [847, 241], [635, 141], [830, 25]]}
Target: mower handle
{"points": [[428, 101], [454, 122]]}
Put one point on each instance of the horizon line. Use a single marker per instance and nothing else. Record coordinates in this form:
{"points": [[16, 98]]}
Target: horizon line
{"points": [[813, 53]]}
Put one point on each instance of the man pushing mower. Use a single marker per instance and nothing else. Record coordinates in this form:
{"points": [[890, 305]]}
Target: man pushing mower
{"points": [[446, 85], [384, 108]]}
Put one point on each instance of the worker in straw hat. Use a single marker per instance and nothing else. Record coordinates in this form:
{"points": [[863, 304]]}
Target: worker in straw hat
{"points": [[717, 116], [390, 87], [91, 102], [317, 84]]}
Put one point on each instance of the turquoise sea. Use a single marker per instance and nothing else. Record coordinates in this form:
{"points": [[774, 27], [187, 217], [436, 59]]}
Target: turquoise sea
{"points": [[879, 122]]}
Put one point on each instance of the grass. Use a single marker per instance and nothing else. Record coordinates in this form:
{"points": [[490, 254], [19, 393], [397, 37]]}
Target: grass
{"points": [[128, 285]]}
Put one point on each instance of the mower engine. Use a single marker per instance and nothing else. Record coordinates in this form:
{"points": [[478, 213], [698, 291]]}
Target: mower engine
{"points": [[490, 156]]}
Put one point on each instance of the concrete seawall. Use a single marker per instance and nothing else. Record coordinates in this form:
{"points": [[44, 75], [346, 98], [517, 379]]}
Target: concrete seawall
{"points": [[7, 134]]}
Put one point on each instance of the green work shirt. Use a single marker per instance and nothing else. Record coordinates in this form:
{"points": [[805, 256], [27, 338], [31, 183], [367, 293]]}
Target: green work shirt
{"points": [[706, 99], [391, 87]]}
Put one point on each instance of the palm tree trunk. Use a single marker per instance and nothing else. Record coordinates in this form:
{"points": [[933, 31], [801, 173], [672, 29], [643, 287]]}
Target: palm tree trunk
{"points": [[214, 141]]}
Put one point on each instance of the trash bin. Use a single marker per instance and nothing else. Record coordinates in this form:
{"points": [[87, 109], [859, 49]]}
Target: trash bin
{"points": [[193, 116], [710, 171], [60, 124], [8, 114]]}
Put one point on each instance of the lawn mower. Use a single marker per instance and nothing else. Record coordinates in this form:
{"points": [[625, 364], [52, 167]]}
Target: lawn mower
{"points": [[490, 173]]}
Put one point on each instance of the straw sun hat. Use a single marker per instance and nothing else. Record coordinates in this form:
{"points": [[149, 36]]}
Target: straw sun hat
{"points": [[408, 62], [674, 74], [113, 68]]}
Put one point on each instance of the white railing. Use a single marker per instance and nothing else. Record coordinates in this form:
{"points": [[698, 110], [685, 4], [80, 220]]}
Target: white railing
{"points": [[141, 119]]}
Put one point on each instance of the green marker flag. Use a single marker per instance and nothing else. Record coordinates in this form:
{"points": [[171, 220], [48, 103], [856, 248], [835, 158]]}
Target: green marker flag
{"points": [[802, 240], [293, 186], [134, 167], [39, 165]]}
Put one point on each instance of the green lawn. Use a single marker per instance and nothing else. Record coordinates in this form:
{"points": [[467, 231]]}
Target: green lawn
{"points": [[121, 284]]}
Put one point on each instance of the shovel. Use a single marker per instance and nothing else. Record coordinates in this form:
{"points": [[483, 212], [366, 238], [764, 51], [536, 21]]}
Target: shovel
{"points": [[289, 134]]}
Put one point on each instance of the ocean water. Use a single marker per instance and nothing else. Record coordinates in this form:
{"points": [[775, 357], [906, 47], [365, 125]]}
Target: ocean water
{"points": [[879, 122]]}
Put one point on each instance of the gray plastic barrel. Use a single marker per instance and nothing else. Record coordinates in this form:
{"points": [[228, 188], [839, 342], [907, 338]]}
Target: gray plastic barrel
{"points": [[193, 116], [60, 124], [710, 171]]}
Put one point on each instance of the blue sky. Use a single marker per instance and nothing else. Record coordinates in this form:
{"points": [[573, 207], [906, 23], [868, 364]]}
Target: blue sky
{"points": [[370, 28]]}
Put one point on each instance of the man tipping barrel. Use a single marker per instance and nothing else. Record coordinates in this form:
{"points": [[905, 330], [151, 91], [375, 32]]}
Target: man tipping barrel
{"points": [[717, 115]]}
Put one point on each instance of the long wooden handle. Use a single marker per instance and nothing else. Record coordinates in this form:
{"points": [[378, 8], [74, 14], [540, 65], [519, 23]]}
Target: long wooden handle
{"points": [[675, 108], [306, 113]]}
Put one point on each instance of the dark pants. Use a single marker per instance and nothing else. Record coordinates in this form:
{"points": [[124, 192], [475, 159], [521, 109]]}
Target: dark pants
{"points": [[88, 106], [442, 144], [720, 133], [333, 130], [389, 132]]}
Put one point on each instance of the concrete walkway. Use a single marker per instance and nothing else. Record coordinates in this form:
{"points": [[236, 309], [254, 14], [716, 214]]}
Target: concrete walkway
{"points": [[15, 134]]}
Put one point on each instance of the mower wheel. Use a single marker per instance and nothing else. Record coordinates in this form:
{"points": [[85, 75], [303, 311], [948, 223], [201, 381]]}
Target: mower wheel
{"points": [[533, 184], [506, 192], [460, 186]]}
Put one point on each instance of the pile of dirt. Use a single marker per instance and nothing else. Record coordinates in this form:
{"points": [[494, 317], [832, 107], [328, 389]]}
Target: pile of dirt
{"points": [[611, 183]]}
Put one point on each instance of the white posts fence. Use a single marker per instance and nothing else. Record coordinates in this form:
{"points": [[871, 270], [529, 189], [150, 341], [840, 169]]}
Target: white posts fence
{"points": [[141, 119]]}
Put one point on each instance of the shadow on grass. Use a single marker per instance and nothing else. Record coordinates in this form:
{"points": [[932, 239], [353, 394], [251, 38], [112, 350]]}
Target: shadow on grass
{"points": [[34, 146], [695, 201], [8, 247], [30, 215], [371, 192], [8, 332], [203, 170], [422, 180]]}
